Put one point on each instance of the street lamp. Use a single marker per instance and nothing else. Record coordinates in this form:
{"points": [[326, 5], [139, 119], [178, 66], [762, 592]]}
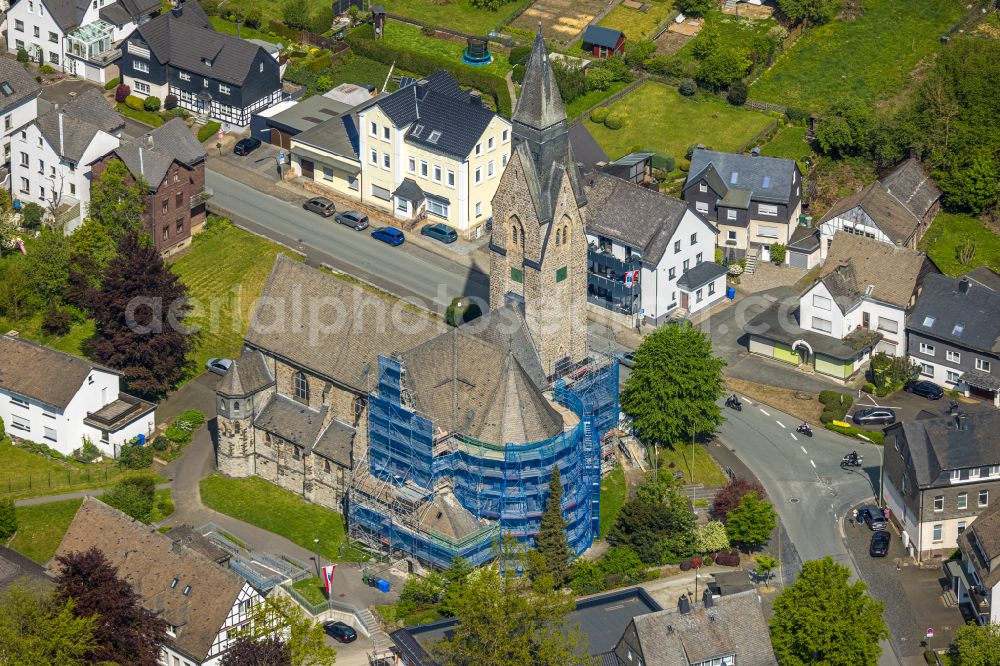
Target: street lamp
{"points": [[319, 565]]}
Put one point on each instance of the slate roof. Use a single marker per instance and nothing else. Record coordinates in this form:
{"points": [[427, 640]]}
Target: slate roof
{"points": [[983, 536], [540, 104], [185, 40], [150, 156], [803, 238], [67, 14], [942, 306], [985, 277], [601, 36], [346, 350], [42, 373], [892, 217], [634, 215], [855, 262], [290, 420], [309, 113], [195, 541], [449, 124], [247, 375], [750, 173], [124, 11], [336, 443], [15, 566], [700, 275], [911, 185], [22, 85], [409, 190], [585, 147], [734, 624], [936, 445], [150, 561], [338, 135], [505, 328], [779, 322], [81, 119]]}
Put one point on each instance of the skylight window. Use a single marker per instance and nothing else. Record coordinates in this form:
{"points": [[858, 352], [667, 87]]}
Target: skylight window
{"points": [[734, 177], [767, 182], [6, 89], [418, 129], [433, 138], [928, 321], [958, 329]]}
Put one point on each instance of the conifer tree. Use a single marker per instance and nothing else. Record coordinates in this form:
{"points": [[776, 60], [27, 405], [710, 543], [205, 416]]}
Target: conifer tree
{"points": [[551, 541]]}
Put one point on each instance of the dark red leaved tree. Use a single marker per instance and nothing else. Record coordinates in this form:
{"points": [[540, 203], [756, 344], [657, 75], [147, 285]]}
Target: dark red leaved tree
{"points": [[264, 652], [729, 496]]}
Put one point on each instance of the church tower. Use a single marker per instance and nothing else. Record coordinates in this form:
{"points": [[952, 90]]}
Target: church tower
{"points": [[538, 249]]}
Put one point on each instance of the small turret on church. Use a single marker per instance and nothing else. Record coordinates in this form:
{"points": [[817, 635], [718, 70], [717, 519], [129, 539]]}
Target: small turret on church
{"points": [[538, 250]]}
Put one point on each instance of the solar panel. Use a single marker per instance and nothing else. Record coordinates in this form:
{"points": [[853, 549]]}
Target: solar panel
{"points": [[406, 81]]}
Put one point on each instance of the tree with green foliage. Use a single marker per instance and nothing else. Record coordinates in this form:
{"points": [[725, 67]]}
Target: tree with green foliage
{"points": [[706, 42], [637, 52], [888, 372], [738, 93], [766, 563], [117, 201], [974, 187], [32, 215], [728, 496], [724, 66], [672, 391], [296, 13], [133, 496], [711, 537], [750, 524], [977, 645], [37, 630], [657, 524], [813, 11], [551, 542], [454, 580], [8, 518], [91, 249], [824, 619], [46, 262], [778, 252], [695, 7], [278, 616], [845, 130], [490, 5]]}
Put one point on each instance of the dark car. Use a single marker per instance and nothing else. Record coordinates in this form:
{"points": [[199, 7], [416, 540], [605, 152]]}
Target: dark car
{"points": [[627, 359], [390, 235], [340, 631], [872, 517], [441, 232], [320, 206], [880, 544], [353, 219], [925, 389], [246, 146], [874, 416]]}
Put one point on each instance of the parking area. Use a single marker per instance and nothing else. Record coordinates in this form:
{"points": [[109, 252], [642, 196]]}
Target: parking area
{"points": [[262, 161], [907, 406], [912, 594]]}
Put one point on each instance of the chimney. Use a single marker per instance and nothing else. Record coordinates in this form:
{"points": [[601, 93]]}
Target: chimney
{"points": [[963, 286], [61, 152], [707, 598], [683, 605], [961, 421], [148, 140]]}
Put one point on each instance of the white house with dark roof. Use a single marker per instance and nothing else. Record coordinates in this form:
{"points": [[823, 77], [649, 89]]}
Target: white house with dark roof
{"points": [[18, 100], [975, 577], [58, 399], [50, 157]]}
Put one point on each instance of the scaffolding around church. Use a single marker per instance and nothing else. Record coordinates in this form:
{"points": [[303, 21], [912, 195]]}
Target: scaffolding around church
{"points": [[438, 496]]}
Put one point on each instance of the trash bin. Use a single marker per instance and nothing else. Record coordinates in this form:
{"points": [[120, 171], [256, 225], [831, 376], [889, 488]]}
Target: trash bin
{"points": [[383, 585], [730, 293]]}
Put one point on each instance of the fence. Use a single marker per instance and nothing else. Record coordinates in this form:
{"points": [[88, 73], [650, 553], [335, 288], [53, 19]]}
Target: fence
{"points": [[610, 99], [57, 480], [764, 106], [771, 126]]}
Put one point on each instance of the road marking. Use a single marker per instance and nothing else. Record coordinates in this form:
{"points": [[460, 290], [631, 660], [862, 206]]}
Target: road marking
{"points": [[779, 423], [812, 463], [803, 449], [763, 412], [793, 436], [748, 400]]}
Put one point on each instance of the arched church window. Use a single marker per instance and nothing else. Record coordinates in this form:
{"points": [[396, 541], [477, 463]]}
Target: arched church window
{"points": [[514, 233], [565, 231], [236, 406], [557, 236], [301, 387]]}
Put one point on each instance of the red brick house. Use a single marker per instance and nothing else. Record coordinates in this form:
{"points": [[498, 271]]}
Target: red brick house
{"points": [[171, 162], [604, 42]]}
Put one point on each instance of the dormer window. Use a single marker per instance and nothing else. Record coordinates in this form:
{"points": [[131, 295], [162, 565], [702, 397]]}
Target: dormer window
{"points": [[171, 630], [206, 62]]}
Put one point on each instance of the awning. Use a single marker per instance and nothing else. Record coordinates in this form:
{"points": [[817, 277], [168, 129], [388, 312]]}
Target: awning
{"points": [[341, 163], [434, 197], [409, 190], [981, 380], [955, 569]]}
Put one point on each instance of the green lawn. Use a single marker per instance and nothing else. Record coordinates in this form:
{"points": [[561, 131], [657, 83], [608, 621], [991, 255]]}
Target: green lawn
{"points": [[31, 328], [590, 98], [40, 528], [281, 511], [865, 59], [312, 589], [660, 118], [146, 117], [706, 470], [405, 36], [456, 14], [732, 31], [948, 233], [613, 493], [228, 27], [635, 24], [225, 271], [789, 143]]}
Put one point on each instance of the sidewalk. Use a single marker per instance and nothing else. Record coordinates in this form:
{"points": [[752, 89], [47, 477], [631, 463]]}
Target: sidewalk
{"points": [[68, 496]]}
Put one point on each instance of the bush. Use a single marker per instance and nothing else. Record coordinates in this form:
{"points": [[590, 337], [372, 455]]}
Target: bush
{"points": [[134, 456], [179, 112], [170, 102], [873, 436], [22, 55], [709, 561], [797, 115], [456, 314], [89, 451], [113, 83], [151, 103], [711, 537], [122, 93], [3, 429], [177, 435], [778, 252], [8, 518], [133, 496], [47, 69], [32, 215], [208, 131], [519, 55], [134, 102], [192, 418], [835, 405], [517, 75], [161, 443], [614, 122], [56, 320], [738, 93], [665, 162], [322, 19], [696, 562], [868, 387], [685, 565], [600, 114], [889, 373], [687, 87]]}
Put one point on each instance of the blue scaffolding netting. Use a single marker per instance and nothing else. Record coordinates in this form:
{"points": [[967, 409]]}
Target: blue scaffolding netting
{"points": [[503, 486]]}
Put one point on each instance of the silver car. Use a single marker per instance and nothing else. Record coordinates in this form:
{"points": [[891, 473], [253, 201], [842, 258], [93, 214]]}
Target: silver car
{"points": [[219, 366]]}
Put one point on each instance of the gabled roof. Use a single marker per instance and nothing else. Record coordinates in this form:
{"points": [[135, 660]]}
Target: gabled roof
{"points": [[247, 375], [935, 446], [14, 77], [338, 135], [125, 11], [15, 566], [601, 36], [81, 119], [892, 217], [67, 14], [149, 157], [700, 275], [634, 215], [769, 179], [985, 277], [969, 318], [855, 263], [150, 562], [911, 185], [403, 105], [982, 539], [540, 104], [291, 420], [42, 373], [712, 178]]}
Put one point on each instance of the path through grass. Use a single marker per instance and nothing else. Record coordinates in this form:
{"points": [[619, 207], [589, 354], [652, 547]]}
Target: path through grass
{"points": [[40, 528]]}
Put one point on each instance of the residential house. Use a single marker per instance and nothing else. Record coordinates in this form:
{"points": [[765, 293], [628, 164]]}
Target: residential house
{"points": [[857, 306], [754, 201], [18, 101], [76, 36], [49, 157], [57, 399], [15, 568], [211, 73], [953, 333], [895, 209], [650, 255], [603, 42], [975, 577], [279, 128], [203, 603], [986, 277], [171, 162], [428, 150], [940, 472]]}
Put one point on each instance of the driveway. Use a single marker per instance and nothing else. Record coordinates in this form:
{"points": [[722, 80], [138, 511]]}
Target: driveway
{"points": [[67, 90]]}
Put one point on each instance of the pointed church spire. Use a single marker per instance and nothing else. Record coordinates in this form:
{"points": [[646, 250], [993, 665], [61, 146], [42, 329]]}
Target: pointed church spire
{"points": [[540, 105]]}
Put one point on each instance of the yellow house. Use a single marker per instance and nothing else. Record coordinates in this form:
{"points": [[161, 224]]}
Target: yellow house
{"points": [[429, 150]]}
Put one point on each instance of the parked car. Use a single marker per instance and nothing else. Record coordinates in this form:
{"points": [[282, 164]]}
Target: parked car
{"points": [[353, 219], [880, 544], [874, 416], [219, 366], [390, 235], [320, 206], [627, 359], [246, 146], [441, 232], [340, 631], [925, 389], [872, 517]]}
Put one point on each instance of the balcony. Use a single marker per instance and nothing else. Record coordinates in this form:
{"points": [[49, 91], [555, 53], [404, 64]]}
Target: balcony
{"points": [[980, 601], [199, 198]]}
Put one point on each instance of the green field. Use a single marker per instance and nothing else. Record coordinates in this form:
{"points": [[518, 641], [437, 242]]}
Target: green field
{"points": [[409, 37], [789, 143], [706, 471], [358, 69], [312, 589], [228, 27], [613, 493], [733, 31], [457, 14], [40, 528], [225, 271], [281, 511], [590, 98], [949, 232], [660, 118], [146, 117], [865, 59], [635, 24]]}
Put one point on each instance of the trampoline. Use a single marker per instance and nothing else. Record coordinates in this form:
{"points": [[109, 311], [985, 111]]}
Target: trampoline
{"points": [[477, 52]]}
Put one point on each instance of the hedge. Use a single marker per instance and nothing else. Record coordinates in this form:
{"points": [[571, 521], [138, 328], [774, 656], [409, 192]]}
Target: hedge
{"points": [[600, 114], [134, 102], [113, 83], [873, 436], [362, 42], [835, 405], [206, 132]]}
